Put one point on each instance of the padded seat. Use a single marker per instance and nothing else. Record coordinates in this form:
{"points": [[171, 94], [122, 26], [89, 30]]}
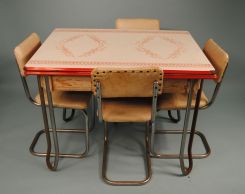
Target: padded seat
{"points": [[127, 110], [172, 101], [127, 95], [61, 99], [219, 59], [73, 100]]}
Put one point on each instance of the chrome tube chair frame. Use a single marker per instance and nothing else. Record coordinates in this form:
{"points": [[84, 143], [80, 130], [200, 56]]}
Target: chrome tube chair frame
{"points": [[192, 132], [172, 118], [149, 125], [54, 131], [190, 156], [106, 141], [198, 133], [28, 95], [67, 119], [47, 130]]}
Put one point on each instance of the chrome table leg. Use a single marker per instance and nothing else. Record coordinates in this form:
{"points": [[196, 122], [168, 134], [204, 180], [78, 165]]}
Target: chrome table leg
{"points": [[186, 171], [193, 128]]}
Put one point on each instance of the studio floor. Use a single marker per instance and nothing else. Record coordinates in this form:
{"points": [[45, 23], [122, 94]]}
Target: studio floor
{"points": [[222, 172]]}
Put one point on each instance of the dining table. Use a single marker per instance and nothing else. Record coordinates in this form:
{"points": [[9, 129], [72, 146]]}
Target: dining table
{"points": [[68, 56]]}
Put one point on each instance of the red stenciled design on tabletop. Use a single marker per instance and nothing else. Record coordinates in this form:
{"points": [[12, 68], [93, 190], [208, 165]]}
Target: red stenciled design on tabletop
{"points": [[100, 45], [141, 46]]}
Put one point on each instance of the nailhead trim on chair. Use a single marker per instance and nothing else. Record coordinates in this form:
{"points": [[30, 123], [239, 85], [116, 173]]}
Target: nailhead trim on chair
{"points": [[98, 74]]}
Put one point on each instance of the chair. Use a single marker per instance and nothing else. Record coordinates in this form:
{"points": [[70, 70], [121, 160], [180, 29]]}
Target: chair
{"points": [[138, 23], [127, 95], [66, 100], [144, 24], [178, 101]]}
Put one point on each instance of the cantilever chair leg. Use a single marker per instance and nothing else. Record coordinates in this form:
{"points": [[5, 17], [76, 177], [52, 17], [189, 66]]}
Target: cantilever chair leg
{"points": [[67, 119], [186, 170], [192, 132], [119, 182], [51, 165], [174, 120], [176, 156], [86, 131], [92, 116], [56, 154], [62, 155], [91, 122]]}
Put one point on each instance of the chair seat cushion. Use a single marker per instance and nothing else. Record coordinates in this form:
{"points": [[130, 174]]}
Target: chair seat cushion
{"points": [[126, 110], [173, 101], [73, 100]]}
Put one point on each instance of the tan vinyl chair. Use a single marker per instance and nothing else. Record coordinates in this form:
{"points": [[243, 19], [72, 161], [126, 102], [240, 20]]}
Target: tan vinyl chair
{"points": [[68, 100], [138, 23], [127, 95], [143, 24], [178, 101]]}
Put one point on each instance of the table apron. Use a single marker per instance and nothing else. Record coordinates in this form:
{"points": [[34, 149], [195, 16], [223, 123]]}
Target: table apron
{"points": [[83, 83]]}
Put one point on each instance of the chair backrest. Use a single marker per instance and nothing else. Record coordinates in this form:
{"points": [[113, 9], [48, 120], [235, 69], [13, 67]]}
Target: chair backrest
{"points": [[217, 56], [138, 24], [24, 51], [127, 82]]}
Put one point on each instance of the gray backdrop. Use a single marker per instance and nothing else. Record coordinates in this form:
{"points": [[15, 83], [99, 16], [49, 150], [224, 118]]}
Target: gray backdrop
{"points": [[222, 20]]}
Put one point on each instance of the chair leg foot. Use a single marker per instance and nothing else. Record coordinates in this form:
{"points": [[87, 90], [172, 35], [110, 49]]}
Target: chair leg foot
{"points": [[67, 119], [171, 117], [61, 155], [176, 156], [130, 182]]}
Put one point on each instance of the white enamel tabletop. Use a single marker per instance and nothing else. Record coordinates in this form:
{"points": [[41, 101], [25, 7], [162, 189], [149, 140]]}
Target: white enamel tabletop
{"points": [[85, 49]]}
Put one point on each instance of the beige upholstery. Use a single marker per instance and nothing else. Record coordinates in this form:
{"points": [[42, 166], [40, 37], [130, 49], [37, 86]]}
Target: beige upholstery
{"points": [[119, 89], [73, 100], [217, 56], [126, 110], [178, 101], [138, 24], [25, 50], [219, 59], [127, 82]]}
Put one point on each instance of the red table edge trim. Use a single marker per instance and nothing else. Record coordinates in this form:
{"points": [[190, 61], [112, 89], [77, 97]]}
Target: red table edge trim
{"points": [[167, 74], [69, 70]]}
